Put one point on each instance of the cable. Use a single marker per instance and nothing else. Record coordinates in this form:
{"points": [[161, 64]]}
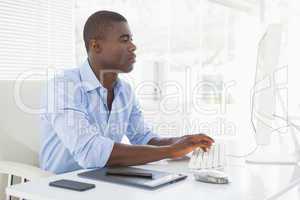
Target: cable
{"points": [[253, 126], [255, 148], [245, 155], [288, 121]]}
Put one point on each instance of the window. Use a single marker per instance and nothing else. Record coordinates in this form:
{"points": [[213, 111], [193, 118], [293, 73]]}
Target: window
{"points": [[35, 36]]}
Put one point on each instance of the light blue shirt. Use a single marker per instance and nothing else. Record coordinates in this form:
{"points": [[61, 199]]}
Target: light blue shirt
{"points": [[78, 131]]}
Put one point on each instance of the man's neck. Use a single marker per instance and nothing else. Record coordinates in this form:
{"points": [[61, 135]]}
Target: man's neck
{"points": [[106, 78]]}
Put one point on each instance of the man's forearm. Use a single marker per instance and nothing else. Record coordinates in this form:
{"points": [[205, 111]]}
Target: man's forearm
{"points": [[157, 141], [126, 155]]}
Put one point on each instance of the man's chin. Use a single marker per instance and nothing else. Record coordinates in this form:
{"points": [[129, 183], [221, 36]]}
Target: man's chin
{"points": [[128, 69]]}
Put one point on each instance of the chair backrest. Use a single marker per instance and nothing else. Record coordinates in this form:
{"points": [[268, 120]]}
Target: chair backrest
{"points": [[19, 129]]}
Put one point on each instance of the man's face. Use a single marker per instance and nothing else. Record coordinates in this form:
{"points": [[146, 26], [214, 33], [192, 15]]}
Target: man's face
{"points": [[117, 52]]}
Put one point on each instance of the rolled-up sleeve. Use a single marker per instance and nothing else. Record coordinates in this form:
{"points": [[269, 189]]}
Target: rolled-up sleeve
{"points": [[138, 131], [88, 148], [71, 123]]}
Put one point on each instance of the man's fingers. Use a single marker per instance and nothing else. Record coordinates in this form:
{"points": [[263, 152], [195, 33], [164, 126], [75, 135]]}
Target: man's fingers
{"points": [[202, 145], [199, 141], [206, 137], [199, 138], [204, 149], [203, 140]]}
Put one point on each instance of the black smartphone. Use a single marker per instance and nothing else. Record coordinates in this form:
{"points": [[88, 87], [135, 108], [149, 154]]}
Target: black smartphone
{"points": [[72, 185]]}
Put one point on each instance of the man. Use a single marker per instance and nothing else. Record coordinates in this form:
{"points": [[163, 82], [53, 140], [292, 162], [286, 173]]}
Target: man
{"points": [[89, 109]]}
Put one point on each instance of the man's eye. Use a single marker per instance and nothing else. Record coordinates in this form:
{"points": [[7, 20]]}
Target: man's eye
{"points": [[126, 39]]}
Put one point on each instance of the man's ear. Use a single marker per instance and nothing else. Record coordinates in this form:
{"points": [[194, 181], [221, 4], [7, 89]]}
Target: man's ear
{"points": [[95, 45]]}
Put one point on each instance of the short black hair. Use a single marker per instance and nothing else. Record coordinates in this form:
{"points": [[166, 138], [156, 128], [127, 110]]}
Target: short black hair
{"points": [[98, 23]]}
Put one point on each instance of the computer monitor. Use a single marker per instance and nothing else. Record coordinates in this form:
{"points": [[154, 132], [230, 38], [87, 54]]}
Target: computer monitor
{"points": [[264, 90], [268, 99]]}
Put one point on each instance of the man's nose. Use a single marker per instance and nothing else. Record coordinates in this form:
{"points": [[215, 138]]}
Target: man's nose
{"points": [[132, 47]]}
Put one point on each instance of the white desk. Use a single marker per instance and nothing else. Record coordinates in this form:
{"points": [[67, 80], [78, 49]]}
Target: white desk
{"points": [[247, 184]]}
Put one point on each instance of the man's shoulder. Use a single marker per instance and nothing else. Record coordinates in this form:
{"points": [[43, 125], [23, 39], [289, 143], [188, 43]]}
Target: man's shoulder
{"points": [[66, 77], [67, 80], [71, 74], [64, 88]]}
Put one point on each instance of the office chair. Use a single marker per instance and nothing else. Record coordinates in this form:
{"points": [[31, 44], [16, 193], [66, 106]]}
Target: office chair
{"points": [[19, 134]]}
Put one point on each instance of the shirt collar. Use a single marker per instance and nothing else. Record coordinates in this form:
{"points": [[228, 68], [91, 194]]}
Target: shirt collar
{"points": [[89, 79]]}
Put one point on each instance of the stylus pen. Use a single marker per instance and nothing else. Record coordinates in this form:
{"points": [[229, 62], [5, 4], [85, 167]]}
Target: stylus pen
{"points": [[131, 174]]}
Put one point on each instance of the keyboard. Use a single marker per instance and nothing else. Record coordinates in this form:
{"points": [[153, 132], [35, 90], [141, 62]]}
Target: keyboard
{"points": [[212, 159]]}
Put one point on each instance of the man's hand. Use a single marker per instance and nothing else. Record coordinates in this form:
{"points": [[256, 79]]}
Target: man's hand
{"points": [[188, 143]]}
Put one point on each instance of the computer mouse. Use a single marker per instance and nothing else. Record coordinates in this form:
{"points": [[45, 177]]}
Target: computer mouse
{"points": [[211, 176]]}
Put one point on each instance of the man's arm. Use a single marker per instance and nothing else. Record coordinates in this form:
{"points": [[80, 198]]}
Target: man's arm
{"points": [[157, 141], [67, 115], [126, 155]]}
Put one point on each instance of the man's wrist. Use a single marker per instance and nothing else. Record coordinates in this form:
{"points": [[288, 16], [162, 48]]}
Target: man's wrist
{"points": [[166, 151], [175, 139]]}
